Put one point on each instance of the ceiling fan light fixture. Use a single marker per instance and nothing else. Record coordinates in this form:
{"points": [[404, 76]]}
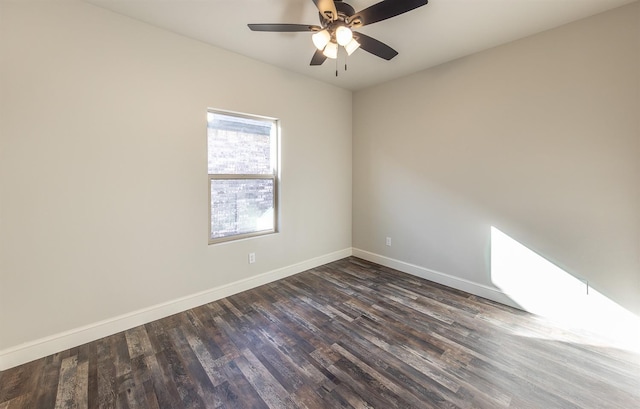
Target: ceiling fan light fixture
{"points": [[352, 46], [343, 35], [337, 20], [331, 51], [321, 39]]}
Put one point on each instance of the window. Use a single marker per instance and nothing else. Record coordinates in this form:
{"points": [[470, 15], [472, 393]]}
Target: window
{"points": [[243, 175]]}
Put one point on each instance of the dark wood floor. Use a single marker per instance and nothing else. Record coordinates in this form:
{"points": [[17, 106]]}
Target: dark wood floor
{"points": [[349, 334]]}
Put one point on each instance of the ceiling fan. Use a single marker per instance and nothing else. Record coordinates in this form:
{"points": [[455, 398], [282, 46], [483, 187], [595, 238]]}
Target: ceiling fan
{"points": [[337, 21]]}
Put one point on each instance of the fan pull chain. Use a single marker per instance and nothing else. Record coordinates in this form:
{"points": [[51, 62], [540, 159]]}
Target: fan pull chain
{"points": [[345, 63]]}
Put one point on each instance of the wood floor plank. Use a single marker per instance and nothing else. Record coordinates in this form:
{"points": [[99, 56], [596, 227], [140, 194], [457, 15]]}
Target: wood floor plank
{"points": [[161, 386], [348, 334], [65, 397], [194, 370], [264, 382], [174, 369], [242, 393], [81, 393]]}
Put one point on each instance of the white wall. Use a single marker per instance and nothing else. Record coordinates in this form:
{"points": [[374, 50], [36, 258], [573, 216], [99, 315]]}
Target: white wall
{"points": [[103, 170], [539, 138]]}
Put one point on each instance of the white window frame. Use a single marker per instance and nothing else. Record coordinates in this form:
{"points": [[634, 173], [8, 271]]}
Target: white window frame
{"points": [[274, 177]]}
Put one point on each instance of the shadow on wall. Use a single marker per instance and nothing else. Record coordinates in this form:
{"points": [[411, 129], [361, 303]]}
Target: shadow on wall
{"points": [[544, 289]]}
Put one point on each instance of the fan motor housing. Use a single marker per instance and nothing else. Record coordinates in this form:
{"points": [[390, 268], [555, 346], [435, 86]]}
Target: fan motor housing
{"points": [[344, 12]]}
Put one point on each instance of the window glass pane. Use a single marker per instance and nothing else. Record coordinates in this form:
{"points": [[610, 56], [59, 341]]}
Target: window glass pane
{"points": [[241, 206], [239, 145]]}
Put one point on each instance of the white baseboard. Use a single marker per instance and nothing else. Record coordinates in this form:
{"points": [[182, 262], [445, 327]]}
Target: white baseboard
{"points": [[471, 287], [42, 347]]}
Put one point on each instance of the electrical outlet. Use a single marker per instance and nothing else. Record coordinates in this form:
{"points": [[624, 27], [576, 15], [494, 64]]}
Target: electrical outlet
{"points": [[252, 258], [389, 241]]}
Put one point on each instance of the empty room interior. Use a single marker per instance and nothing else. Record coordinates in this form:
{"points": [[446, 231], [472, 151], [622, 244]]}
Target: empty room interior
{"points": [[457, 225]]}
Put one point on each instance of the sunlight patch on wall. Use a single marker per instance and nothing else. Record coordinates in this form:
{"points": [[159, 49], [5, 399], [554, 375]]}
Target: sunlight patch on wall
{"points": [[542, 288]]}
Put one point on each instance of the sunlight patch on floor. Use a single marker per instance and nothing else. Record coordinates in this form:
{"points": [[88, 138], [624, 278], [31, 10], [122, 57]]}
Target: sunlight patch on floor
{"points": [[542, 288]]}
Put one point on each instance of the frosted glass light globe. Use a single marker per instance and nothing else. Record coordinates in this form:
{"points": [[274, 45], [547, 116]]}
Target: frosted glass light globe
{"points": [[343, 35], [352, 46], [320, 39], [331, 51]]}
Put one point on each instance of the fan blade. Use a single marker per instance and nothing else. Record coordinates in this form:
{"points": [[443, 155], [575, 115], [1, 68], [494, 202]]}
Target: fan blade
{"points": [[374, 46], [327, 9], [283, 28], [384, 10], [318, 58]]}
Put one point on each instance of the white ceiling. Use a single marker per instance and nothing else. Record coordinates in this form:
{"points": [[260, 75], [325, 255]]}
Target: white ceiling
{"points": [[441, 31]]}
